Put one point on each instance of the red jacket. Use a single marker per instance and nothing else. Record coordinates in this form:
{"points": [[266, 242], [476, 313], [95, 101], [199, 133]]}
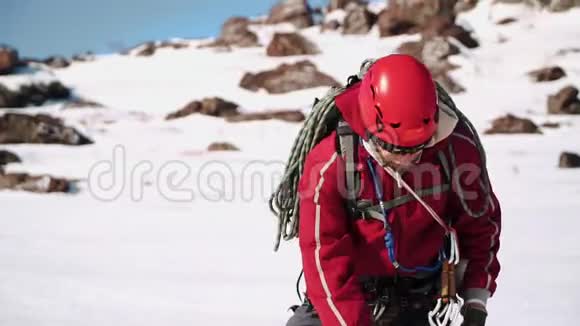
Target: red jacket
{"points": [[337, 249]]}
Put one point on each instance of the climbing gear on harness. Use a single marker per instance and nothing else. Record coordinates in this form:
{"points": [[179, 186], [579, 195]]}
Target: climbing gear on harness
{"points": [[389, 240], [388, 297], [449, 303]]}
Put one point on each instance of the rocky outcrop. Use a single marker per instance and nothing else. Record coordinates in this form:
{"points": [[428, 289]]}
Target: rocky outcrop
{"points": [[441, 26], [213, 106], [287, 115], [434, 53], [8, 59], [38, 184], [511, 124], [341, 4], [464, 5], [286, 44], [547, 74], [84, 57], [551, 125], [296, 12], [551, 5], [81, 103], [506, 21], [33, 94], [235, 32], [566, 101], [560, 5], [331, 25], [7, 157], [222, 146], [358, 19], [390, 24], [57, 62], [287, 78], [38, 129], [149, 48], [403, 16], [569, 160], [431, 18]]}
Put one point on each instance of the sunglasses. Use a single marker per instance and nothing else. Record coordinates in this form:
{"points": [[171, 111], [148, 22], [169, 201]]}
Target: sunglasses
{"points": [[394, 149]]}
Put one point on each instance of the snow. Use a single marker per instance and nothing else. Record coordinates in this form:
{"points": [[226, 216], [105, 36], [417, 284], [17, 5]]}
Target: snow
{"points": [[181, 236]]}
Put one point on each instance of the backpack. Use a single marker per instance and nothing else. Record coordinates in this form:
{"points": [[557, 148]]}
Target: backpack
{"points": [[323, 119]]}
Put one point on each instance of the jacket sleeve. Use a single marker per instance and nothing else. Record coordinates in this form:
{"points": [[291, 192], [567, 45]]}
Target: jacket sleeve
{"points": [[477, 217], [327, 248]]}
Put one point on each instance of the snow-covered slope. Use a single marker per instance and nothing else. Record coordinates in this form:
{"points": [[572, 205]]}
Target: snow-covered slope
{"points": [[153, 250]]}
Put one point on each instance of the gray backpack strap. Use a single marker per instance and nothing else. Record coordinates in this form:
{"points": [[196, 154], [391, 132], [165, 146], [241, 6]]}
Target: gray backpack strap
{"points": [[348, 145]]}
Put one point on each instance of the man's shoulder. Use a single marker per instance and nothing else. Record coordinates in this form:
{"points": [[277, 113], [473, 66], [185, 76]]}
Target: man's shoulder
{"points": [[323, 151], [463, 145]]}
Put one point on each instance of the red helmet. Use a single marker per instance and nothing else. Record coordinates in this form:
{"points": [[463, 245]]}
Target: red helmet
{"points": [[398, 103]]}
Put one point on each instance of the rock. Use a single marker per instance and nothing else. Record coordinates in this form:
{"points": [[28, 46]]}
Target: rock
{"points": [[173, 45], [547, 74], [213, 106], [37, 94], [147, 50], [235, 32], [565, 101], [442, 26], [435, 53], [57, 91], [412, 48], [287, 78], [358, 19], [561, 5], [81, 103], [552, 125], [551, 5], [84, 57], [569, 160], [331, 25], [506, 21], [295, 12], [33, 94], [7, 157], [57, 62], [39, 184], [563, 52], [448, 83], [464, 5], [511, 124], [421, 12], [9, 98], [390, 25], [38, 129], [341, 4], [431, 17], [222, 146], [289, 116], [285, 44], [8, 59]]}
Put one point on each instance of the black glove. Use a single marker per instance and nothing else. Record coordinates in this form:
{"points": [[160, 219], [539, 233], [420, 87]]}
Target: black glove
{"points": [[474, 315]]}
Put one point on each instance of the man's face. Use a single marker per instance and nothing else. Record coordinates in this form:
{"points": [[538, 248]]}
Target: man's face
{"points": [[399, 162]]}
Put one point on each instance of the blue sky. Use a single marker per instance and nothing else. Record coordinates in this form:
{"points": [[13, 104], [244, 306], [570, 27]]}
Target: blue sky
{"points": [[39, 28]]}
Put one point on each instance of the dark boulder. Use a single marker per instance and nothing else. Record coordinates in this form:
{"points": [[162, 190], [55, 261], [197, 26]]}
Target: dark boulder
{"points": [[287, 78], [38, 129]]}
